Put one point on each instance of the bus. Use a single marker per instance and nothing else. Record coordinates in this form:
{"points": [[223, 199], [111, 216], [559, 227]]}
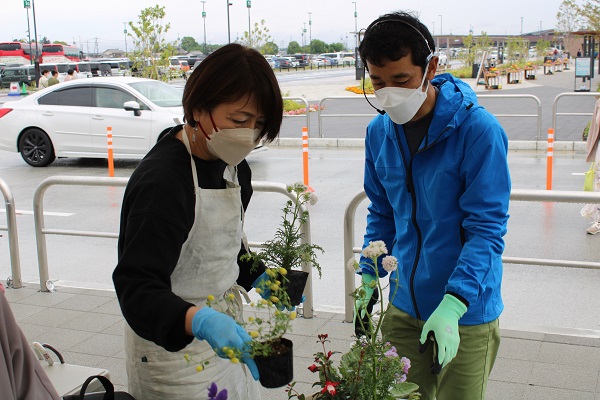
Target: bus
{"points": [[60, 53], [15, 53]]}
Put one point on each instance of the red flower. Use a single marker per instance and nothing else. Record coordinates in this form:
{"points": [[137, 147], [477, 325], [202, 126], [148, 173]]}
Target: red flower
{"points": [[313, 368], [330, 388], [329, 354]]}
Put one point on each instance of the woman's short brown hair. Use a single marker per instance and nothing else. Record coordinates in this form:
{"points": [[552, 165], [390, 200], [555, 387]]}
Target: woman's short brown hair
{"points": [[230, 74]]}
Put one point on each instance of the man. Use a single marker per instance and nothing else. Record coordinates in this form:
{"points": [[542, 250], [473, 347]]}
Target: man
{"points": [[44, 78], [54, 78], [437, 176]]}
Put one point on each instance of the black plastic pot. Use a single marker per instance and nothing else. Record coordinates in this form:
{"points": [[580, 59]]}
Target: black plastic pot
{"points": [[277, 370], [295, 287]]}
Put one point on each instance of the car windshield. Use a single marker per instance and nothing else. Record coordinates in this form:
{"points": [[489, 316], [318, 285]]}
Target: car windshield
{"points": [[85, 67], [159, 93]]}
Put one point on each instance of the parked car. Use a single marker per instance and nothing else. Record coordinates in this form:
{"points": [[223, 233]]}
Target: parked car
{"points": [[443, 58], [293, 62], [318, 62], [303, 59], [283, 62], [70, 119], [330, 61], [24, 74]]}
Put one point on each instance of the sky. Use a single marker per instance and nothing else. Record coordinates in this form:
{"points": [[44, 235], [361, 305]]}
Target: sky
{"points": [[100, 23]]}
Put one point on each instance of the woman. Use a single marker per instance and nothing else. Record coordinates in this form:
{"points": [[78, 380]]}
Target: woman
{"points": [[592, 211], [181, 232]]}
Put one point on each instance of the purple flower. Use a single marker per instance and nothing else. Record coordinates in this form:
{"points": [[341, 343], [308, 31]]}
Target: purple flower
{"points": [[391, 352], [406, 364], [214, 394]]}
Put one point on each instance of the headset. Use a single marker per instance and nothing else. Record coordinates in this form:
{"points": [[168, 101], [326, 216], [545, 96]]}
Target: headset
{"points": [[429, 57]]}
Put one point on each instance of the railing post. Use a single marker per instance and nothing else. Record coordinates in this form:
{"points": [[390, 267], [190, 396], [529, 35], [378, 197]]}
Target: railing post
{"points": [[13, 237]]}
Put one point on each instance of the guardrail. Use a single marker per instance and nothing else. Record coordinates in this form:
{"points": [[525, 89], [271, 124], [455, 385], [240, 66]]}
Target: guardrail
{"points": [[538, 114], [556, 196], [13, 240], [555, 113], [307, 116], [41, 231]]}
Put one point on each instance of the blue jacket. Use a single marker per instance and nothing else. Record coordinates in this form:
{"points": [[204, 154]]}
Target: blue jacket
{"points": [[443, 212]]}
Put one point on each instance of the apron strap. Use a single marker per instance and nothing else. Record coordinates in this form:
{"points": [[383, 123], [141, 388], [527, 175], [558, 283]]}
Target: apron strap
{"points": [[186, 142], [238, 292]]}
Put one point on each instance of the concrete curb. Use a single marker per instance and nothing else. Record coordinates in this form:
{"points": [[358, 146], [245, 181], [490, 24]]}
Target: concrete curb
{"points": [[331, 143]]}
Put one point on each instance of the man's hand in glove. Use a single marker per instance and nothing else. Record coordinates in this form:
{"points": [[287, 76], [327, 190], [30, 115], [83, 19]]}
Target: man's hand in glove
{"points": [[220, 330], [443, 326], [263, 283]]}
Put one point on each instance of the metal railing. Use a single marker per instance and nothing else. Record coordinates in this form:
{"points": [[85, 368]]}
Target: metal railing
{"points": [[13, 240], [41, 231], [537, 115], [559, 96], [556, 196], [307, 114]]}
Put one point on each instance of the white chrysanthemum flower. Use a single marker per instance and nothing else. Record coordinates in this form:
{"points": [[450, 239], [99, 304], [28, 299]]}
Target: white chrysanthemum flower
{"points": [[375, 249], [352, 265], [312, 199], [389, 263]]}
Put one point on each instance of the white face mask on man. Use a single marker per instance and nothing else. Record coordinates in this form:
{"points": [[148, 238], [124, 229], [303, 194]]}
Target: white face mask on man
{"points": [[231, 145], [401, 104]]}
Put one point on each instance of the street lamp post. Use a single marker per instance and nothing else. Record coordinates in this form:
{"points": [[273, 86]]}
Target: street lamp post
{"points": [[304, 36], [228, 24], [249, 5], [37, 52], [441, 31], [204, 19], [26, 5], [521, 26], [125, 33], [309, 30], [355, 26]]}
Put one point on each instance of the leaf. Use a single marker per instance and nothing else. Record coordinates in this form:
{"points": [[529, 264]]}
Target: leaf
{"points": [[402, 390]]}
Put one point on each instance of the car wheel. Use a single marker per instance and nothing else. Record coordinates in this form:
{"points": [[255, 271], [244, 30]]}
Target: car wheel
{"points": [[36, 148]]}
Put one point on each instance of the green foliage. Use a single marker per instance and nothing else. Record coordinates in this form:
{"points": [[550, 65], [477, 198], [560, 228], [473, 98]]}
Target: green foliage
{"points": [[318, 46], [293, 47], [148, 36], [258, 36], [569, 17], [270, 48], [189, 44], [60, 42], [590, 13], [541, 47], [334, 47], [371, 369], [517, 49], [462, 72]]}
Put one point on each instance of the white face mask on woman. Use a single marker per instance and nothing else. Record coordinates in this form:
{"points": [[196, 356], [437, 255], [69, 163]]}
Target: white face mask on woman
{"points": [[401, 104], [231, 145]]}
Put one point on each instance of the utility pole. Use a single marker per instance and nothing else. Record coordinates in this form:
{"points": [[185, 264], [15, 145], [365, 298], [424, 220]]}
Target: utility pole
{"points": [[125, 33], [27, 5], [304, 36], [228, 24], [249, 5], [309, 30], [441, 20], [521, 26], [204, 19], [36, 60], [355, 26]]}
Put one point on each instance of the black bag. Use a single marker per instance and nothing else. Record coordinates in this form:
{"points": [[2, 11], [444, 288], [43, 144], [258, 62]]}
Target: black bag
{"points": [[110, 393]]}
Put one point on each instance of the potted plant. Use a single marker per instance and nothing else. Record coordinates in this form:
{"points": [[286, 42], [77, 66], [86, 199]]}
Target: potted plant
{"points": [[281, 289], [371, 369]]}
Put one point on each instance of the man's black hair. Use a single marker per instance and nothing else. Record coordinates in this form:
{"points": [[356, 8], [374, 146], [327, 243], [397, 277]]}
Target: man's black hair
{"points": [[393, 36]]}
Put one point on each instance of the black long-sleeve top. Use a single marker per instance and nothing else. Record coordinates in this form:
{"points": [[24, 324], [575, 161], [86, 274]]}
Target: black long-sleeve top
{"points": [[156, 218]]}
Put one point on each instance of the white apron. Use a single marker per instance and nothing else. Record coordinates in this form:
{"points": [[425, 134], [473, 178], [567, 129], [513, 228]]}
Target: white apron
{"points": [[207, 265]]}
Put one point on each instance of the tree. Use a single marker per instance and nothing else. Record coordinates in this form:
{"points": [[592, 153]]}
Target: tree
{"points": [[189, 44], [258, 36], [542, 47], [149, 40], [469, 44], [333, 47], [60, 42], [568, 17], [293, 47], [590, 14], [270, 48], [318, 46]]}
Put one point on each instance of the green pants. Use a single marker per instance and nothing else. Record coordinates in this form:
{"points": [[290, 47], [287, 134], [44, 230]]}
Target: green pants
{"points": [[465, 377]]}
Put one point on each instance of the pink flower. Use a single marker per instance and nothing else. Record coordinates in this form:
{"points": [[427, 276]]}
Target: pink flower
{"points": [[406, 363], [391, 352], [330, 388], [313, 368]]}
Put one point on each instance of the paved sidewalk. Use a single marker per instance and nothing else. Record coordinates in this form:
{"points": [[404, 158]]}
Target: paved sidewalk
{"points": [[86, 327]]}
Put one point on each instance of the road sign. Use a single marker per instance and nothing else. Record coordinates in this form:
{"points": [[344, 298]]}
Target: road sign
{"points": [[26, 3]]}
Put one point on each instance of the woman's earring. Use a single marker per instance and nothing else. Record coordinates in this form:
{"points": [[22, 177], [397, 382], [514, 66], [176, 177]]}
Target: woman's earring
{"points": [[195, 130]]}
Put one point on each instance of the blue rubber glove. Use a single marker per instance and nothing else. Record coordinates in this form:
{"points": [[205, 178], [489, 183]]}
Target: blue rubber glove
{"points": [[443, 326], [368, 286], [220, 330], [265, 290]]}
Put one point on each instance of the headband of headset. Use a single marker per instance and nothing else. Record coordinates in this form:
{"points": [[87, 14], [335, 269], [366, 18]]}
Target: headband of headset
{"points": [[407, 24]]}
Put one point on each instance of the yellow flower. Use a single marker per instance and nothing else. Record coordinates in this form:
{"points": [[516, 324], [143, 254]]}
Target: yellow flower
{"points": [[258, 290], [250, 319], [293, 315], [187, 357], [253, 334], [264, 302], [199, 368], [274, 299], [235, 360], [271, 272], [210, 297], [274, 287], [231, 296], [230, 353], [283, 271]]}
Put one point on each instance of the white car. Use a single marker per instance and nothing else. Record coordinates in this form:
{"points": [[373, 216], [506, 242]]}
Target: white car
{"points": [[71, 119]]}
